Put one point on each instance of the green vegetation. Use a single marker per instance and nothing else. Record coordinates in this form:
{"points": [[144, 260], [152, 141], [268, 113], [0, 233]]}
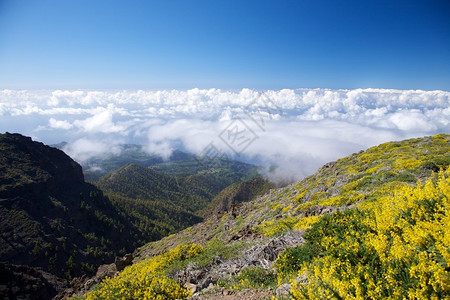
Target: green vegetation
{"points": [[138, 182], [153, 219], [158, 204], [369, 226], [253, 277]]}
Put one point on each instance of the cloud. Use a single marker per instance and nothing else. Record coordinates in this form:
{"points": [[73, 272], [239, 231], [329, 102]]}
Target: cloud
{"points": [[83, 149], [59, 124], [298, 130], [100, 122]]}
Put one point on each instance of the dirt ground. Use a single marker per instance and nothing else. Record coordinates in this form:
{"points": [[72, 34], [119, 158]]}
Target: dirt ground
{"points": [[237, 295]]}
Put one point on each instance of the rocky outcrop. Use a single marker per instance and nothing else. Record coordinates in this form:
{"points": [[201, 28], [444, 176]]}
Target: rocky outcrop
{"points": [[122, 262], [80, 285], [23, 282], [260, 255]]}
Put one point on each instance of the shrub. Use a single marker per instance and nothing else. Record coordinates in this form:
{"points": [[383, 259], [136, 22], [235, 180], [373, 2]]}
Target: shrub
{"points": [[146, 279], [290, 261], [395, 247]]}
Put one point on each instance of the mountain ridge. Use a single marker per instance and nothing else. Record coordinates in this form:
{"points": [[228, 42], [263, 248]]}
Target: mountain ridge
{"points": [[50, 218]]}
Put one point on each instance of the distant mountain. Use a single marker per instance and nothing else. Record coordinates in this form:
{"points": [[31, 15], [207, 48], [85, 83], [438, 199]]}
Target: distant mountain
{"points": [[50, 217], [180, 164], [100, 165]]}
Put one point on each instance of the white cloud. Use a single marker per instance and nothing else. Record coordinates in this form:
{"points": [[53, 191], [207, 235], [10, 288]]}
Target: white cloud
{"points": [[297, 129], [100, 122], [53, 123], [84, 148]]}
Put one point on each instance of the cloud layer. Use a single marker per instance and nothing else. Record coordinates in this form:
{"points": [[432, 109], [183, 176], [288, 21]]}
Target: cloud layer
{"points": [[297, 130]]}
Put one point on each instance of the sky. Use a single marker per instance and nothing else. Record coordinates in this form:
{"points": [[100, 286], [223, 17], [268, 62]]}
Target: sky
{"points": [[292, 84], [227, 44]]}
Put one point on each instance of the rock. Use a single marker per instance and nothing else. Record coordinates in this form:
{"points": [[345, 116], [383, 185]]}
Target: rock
{"points": [[245, 233], [227, 292], [260, 255], [191, 287], [319, 210], [78, 283], [121, 263], [106, 270], [283, 290], [24, 282], [234, 269]]}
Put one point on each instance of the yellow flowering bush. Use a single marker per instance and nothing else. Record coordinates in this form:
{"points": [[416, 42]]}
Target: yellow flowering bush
{"points": [[397, 247], [146, 279], [275, 227], [306, 222]]}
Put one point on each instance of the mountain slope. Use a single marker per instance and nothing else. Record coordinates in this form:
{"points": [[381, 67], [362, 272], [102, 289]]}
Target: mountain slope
{"points": [[319, 234], [236, 194], [49, 217], [210, 175], [159, 203], [138, 182]]}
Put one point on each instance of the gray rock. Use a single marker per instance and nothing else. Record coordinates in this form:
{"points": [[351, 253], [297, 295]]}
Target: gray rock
{"points": [[283, 290], [121, 263], [191, 287]]}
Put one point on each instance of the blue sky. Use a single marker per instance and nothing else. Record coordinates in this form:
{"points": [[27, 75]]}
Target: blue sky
{"points": [[224, 44]]}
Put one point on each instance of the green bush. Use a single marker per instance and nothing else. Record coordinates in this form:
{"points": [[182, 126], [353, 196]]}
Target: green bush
{"points": [[256, 277], [289, 261]]}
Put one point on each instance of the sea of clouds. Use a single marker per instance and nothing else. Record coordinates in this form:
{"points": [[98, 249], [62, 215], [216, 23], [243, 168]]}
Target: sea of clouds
{"points": [[295, 130]]}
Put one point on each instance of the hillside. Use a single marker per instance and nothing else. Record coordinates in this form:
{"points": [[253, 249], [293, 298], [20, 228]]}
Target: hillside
{"points": [[370, 225], [236, 194], [159, 203], [138, 182], [210, 175], [51, 219], [156, 203]]}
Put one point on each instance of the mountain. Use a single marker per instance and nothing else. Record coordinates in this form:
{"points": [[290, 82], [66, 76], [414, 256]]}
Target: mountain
{"points": [[138, 182], [51, 220], [371, 225], [155, 202], [159, 203], [236, 194]]}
